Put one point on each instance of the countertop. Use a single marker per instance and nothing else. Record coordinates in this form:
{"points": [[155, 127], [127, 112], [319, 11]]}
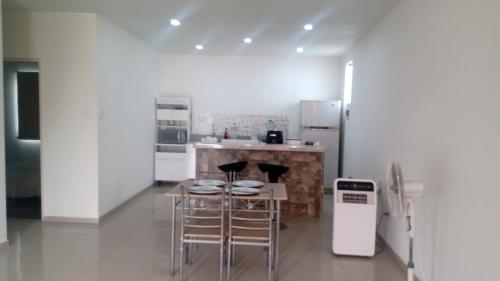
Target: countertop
{"points": [[261, 146]]}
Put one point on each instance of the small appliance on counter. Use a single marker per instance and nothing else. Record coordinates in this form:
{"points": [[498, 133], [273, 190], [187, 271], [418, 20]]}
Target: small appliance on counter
{"points": [[274, 137]]}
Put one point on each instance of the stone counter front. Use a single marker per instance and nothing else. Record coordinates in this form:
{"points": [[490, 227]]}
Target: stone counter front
{"points": [[304, 179]]}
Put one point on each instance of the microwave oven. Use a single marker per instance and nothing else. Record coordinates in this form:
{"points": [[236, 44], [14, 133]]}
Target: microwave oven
{"points": [[172, 135]]}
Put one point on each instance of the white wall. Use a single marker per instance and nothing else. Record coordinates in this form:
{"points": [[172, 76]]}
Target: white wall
{"points": [[425, 92], [129, 77], [65, 45], [251, 85], [3, 212]]}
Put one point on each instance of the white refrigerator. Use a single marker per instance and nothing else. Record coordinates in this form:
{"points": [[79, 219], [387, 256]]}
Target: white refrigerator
{"points": [[320, 122]]}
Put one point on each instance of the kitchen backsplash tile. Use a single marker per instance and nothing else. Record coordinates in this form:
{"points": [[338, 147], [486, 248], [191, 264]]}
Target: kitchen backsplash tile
{"points": [[247, 124]]}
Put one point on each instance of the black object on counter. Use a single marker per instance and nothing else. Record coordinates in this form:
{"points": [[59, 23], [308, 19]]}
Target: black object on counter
{"points": [[274, 137], [309, 143]]}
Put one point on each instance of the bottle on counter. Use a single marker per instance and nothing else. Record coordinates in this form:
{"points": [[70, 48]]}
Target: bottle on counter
{"points": [[213, 131], [234, 131], [270, 125], [226, 134]]}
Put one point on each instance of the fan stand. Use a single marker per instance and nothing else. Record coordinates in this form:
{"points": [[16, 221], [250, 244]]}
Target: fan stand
{"points": [[410, 218], [407, 192]]}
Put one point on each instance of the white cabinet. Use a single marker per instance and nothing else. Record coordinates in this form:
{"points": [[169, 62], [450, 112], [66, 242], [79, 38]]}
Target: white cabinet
{"points": [[175, 163], [174, 159], [173, 115]]}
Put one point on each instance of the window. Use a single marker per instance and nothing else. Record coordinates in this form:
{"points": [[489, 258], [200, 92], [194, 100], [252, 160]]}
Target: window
{"points": [[348, 83]]}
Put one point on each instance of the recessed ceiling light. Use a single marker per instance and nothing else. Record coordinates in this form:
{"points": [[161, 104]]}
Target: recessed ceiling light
{"points": [[308, 26], [300, 50], [247, 40], [199, 47], [175, 22]]}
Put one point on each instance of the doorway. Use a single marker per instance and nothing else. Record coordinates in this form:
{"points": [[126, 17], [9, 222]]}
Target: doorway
{"points": [[22, 139], [346, 112]]}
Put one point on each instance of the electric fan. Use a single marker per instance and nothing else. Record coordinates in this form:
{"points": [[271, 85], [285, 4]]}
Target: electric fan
{"points": [[402, 196]]}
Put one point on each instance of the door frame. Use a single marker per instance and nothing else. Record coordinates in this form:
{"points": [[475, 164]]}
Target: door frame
{"points": [[40, 100]]}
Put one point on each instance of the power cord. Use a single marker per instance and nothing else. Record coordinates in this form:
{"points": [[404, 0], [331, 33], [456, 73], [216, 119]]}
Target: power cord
{"points": [[379, 245]]}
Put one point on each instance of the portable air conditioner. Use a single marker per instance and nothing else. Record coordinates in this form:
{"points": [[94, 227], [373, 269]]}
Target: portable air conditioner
{"points": [[354, 217]]}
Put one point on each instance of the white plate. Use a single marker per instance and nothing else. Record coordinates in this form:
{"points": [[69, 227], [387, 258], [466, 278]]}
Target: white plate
{"points": [[245, 191], [209, 183], [248, 183], [205, 190]]}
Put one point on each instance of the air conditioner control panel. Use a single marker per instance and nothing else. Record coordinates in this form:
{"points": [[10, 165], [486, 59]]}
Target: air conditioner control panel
{"points": [[355, 185]]}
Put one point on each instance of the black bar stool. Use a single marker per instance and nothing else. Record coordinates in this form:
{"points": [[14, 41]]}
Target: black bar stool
{"points": [[273, 172], [232, 169]]}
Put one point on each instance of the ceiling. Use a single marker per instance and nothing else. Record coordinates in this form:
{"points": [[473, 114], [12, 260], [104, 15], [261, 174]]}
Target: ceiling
{"points": [[276, 26]]}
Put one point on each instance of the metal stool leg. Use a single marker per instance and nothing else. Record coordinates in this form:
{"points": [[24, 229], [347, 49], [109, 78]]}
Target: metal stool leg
{"points": [[221, 272], [182, 261], [270, 261], [229, 261]]}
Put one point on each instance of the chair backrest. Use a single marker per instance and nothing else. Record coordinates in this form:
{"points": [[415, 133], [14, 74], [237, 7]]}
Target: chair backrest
{"points": [[202, 219], [256, 220]]}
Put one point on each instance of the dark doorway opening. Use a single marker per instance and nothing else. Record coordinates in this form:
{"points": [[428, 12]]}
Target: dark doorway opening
{"points": [[22, 139]]}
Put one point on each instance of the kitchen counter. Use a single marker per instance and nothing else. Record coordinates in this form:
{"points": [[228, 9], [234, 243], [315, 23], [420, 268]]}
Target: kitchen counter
{"points": [[304, 179], [261, 146]]}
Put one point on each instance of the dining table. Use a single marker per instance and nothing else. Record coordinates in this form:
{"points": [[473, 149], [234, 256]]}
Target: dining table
{"points": [[279, 195]]}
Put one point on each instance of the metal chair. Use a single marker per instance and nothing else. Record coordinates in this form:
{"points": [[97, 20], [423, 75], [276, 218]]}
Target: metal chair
{"points": [[273, 174], [250, 227], [202, 226]]}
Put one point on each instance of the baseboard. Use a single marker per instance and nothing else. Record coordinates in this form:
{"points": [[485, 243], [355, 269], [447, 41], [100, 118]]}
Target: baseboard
{"points": [[70, 219], [120, 206], [4, 245], [91, 220], [393, 254]]}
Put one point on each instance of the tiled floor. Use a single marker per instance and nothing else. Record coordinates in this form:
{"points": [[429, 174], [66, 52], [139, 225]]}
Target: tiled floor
{"points": [[133, 245]]}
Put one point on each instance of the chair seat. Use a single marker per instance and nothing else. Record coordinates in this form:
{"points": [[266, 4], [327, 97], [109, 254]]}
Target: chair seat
{"points": [[233, 168], [208, 228], [243, 215], [274, 172], [250, 230], [245, 234], [202, 232]]}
